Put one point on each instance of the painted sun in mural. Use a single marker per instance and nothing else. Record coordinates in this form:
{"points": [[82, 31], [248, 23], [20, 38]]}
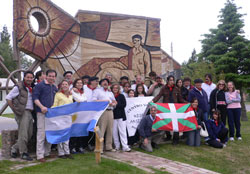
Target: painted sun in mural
{"points": [[57, 35]]}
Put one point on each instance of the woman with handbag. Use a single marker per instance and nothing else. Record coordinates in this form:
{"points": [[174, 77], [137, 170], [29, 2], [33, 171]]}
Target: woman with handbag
{"points": [[194, 138]]}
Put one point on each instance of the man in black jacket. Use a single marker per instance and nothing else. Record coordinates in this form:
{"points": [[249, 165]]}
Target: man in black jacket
{"points": [[150, 137]]}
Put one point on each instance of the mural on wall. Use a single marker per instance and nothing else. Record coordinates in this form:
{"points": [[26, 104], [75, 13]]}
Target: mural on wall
{"points": [[92, 43]]}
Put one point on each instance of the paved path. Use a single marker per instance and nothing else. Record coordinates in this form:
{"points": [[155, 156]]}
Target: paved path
{"points": [[7, 124], [147, 162]]}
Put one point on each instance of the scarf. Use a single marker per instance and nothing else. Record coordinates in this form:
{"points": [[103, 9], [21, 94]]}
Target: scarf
{"points": [[90, 87], [67, 95], [27, 86], [105, 89], [200, 89], [171, 87], [80, 91], [208, 83], [116, 95], [216, 122]]}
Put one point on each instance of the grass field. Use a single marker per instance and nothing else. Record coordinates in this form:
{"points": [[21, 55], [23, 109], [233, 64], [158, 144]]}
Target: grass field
{"points": [[234, 159], [8, 115], [81, 164]]}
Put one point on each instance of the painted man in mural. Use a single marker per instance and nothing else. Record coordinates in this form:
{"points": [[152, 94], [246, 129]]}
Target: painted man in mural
{"points": [[138, 63], [138, 57]]}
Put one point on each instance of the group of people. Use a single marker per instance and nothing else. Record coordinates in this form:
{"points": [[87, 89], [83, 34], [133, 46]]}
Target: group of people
{"points": [[31, 98]]}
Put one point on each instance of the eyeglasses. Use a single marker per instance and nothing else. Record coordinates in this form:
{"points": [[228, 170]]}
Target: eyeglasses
{"points": [[222, 84]]}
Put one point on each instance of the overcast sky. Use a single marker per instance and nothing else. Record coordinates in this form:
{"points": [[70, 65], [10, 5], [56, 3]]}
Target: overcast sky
{"points": [[182, 21]]}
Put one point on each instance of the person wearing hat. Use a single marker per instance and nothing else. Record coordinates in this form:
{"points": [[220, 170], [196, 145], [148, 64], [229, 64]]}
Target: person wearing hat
{"points": [[123, 81], [187, 83], [139, 80], [85, 79], [155, 88], [90, 88], [201, 95], [67, 75], [105, 122]]}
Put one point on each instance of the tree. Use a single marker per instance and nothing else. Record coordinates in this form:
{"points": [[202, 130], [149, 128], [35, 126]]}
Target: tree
{"points": [[195, 68], [6, 52], [228, 49]]}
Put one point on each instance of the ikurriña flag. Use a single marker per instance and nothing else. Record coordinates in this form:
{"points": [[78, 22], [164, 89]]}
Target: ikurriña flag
{"points": [[177, 117]]}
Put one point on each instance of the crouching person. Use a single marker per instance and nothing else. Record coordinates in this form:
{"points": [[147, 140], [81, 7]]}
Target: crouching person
{"points": [[150, 137], [20, 101], [217, 131]]}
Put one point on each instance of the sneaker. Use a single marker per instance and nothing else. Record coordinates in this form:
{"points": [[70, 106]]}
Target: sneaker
{"points": [[62, 156], [239, 138], [231, 138], [26, 157], [69, 156], [90, 147], [13, 154], [127, 150], [81, 150], [42, 160], [224, 145], [154, 145], [73, 151]]}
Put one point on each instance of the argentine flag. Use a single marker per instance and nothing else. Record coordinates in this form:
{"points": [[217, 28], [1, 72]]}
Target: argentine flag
{"points": [[72, 120]]}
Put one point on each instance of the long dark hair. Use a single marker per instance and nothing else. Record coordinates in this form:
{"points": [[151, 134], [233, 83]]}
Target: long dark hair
{"points": [[136, 90], [217, 112], [76, 80], [176, 84]]}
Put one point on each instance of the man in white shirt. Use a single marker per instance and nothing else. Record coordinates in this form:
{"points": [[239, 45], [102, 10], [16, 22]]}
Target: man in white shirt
{"points": [[90, 88], [208, 87], [106, 120], [139, 80], [20, 101]]}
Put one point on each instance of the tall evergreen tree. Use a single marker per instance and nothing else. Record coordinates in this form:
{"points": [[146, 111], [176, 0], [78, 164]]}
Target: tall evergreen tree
{"points": [[229, 50], [6, 52]]}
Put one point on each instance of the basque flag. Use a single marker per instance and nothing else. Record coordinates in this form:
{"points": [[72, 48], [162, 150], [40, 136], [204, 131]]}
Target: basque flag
{"points": [[177, 117]]}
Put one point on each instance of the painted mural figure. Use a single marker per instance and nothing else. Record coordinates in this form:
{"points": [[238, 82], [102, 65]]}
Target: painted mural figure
{"points": [[138, 62], [138, 57]]}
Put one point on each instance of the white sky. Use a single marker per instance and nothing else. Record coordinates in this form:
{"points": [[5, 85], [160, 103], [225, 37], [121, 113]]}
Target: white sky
{"points": [[182, 21]]}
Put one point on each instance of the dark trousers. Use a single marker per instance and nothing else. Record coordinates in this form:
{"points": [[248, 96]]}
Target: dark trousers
{"points": [[223, 111], [234, 121], [175, 137], [223, 139], [77, 142], [133, 139], [194, 138]]}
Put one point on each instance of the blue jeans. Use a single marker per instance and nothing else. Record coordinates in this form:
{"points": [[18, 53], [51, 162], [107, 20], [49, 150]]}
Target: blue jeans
{"points": [[234, 121], [194, 138]]}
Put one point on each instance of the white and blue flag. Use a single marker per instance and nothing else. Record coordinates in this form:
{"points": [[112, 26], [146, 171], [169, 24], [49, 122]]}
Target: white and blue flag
{"points": [[72, 120]]}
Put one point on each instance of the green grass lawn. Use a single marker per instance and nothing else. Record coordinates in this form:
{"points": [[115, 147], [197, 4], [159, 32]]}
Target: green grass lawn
{"points": [[81, 164], [8, 115], [234, 159]]}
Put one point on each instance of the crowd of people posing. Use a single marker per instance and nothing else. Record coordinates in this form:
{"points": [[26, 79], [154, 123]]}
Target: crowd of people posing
{"points": [[212, 104]]}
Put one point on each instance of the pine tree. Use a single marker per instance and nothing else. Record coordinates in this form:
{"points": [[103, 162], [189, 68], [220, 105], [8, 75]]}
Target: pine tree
{"points": [[229, 50], [6, 52]]}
